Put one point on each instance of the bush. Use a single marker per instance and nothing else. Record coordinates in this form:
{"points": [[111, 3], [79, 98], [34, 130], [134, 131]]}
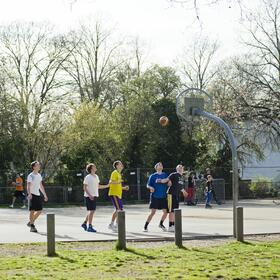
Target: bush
{"points": [[262, 187]]}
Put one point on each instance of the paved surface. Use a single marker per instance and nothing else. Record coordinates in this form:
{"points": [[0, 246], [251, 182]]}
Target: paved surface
{"points": [[260, 216]]}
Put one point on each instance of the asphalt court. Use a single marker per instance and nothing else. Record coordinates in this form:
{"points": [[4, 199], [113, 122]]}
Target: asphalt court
{"points": [[260, 216]]}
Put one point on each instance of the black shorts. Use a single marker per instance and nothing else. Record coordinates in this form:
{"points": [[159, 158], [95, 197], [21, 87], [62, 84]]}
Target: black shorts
{"points": [[19, 194], [90, 204], [173, 202], [36, 203], [158, 203]]}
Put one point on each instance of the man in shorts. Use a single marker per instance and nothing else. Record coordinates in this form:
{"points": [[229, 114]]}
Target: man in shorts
{"points": [[115, 192], [19, 193], [34, 186], [91, 186], [176, 187], [158, 199]]}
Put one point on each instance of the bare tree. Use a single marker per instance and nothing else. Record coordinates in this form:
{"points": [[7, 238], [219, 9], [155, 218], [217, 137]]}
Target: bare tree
{"points": [[196, 63], [261, 68], [93, 63], [31, 60]]}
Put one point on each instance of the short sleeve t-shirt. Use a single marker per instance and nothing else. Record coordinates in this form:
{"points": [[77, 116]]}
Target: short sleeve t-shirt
{"points": [[92, 182], [35, 183], [116, 189], [177, 184], [19, 184], [160, 189]]}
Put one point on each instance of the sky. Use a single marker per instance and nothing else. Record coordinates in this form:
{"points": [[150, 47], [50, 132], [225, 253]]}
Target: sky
{"points": [[162, 28]]}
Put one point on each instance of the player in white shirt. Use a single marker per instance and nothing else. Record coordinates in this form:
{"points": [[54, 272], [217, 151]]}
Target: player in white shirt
{"points": [[34, 186], [91, 186]]}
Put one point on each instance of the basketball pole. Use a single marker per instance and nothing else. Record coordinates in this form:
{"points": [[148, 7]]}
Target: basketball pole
{"points": [[232, 142]]}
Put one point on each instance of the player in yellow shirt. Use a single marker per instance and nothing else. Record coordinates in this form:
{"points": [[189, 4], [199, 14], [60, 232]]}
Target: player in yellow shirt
{"points": [[115, 191], [19, 191]]}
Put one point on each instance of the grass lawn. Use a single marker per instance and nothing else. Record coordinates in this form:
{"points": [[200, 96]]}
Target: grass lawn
{"points": [[234, 260]]}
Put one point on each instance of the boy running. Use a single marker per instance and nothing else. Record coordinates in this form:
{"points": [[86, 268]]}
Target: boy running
{"points": [[34, 186], [18, 192], [115, 192], [158, 196], [176, 186], [91, 186]]}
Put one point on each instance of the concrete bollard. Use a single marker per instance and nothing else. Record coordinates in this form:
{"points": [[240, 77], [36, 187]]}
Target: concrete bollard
{"points": [[121, 230], [50, 235], [178, 227], [239, 224]]}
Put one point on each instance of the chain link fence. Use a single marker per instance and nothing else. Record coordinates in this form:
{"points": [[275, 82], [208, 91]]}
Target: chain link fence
{"points": [[67, 187]]}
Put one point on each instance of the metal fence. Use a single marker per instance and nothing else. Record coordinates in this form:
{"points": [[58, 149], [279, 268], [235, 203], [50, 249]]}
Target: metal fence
{"points": [[69, 190], [66, 187]]}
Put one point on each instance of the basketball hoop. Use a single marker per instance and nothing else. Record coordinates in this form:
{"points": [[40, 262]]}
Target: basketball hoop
{"points": [[186, 101]]}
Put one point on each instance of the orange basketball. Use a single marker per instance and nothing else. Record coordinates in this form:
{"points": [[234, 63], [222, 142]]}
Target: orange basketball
{"points": [[163, 121]]}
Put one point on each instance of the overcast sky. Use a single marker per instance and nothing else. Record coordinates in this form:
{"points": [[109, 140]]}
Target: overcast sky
{"points": [[164, 29]]}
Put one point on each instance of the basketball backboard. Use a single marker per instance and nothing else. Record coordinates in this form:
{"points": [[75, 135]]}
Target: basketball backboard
{"points": [[189, 99]]}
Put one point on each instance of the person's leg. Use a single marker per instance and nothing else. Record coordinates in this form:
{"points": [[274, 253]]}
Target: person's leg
{"points": [[214, 196], [153, 211], [86, 219], [90, 217], [208, 200], [13, 202], [117, 202], [114, 216], [151, 215], [23, 198], [119, 207], [36, 215], [190, 196], [164, 215], [31, 217], [171, 218]]}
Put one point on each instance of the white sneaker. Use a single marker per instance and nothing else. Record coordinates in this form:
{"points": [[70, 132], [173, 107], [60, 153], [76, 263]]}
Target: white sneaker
{"points": [[113, 227], [171, 229], [11, 206], [23, 207], [145, 230]]}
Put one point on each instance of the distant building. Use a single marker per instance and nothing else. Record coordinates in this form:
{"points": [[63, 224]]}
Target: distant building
{"points": [[269, 167]]}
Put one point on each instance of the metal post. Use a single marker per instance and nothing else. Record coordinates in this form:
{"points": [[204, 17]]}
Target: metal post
{"points": [[138, 176], [121, 230], [50, 235], [225, 126], [239, 230], [178, 227]]}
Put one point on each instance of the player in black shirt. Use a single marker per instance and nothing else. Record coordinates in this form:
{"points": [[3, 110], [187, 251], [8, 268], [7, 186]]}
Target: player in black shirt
{"points": [[176, 187]]}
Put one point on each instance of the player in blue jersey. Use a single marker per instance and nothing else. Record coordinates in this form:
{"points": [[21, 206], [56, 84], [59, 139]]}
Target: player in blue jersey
{"points": [[158, 198]]}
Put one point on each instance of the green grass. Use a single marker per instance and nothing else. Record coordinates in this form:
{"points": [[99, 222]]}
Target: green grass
{"points": [[73, 261]]}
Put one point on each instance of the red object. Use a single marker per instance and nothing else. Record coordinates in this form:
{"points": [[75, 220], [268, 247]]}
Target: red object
{"points": [[190, 194]]}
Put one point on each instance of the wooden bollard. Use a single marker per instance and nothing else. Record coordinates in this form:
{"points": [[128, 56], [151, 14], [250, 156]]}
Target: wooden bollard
{"points": [[178, 227], [239, 224], [50, 235], [121, 230]]}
